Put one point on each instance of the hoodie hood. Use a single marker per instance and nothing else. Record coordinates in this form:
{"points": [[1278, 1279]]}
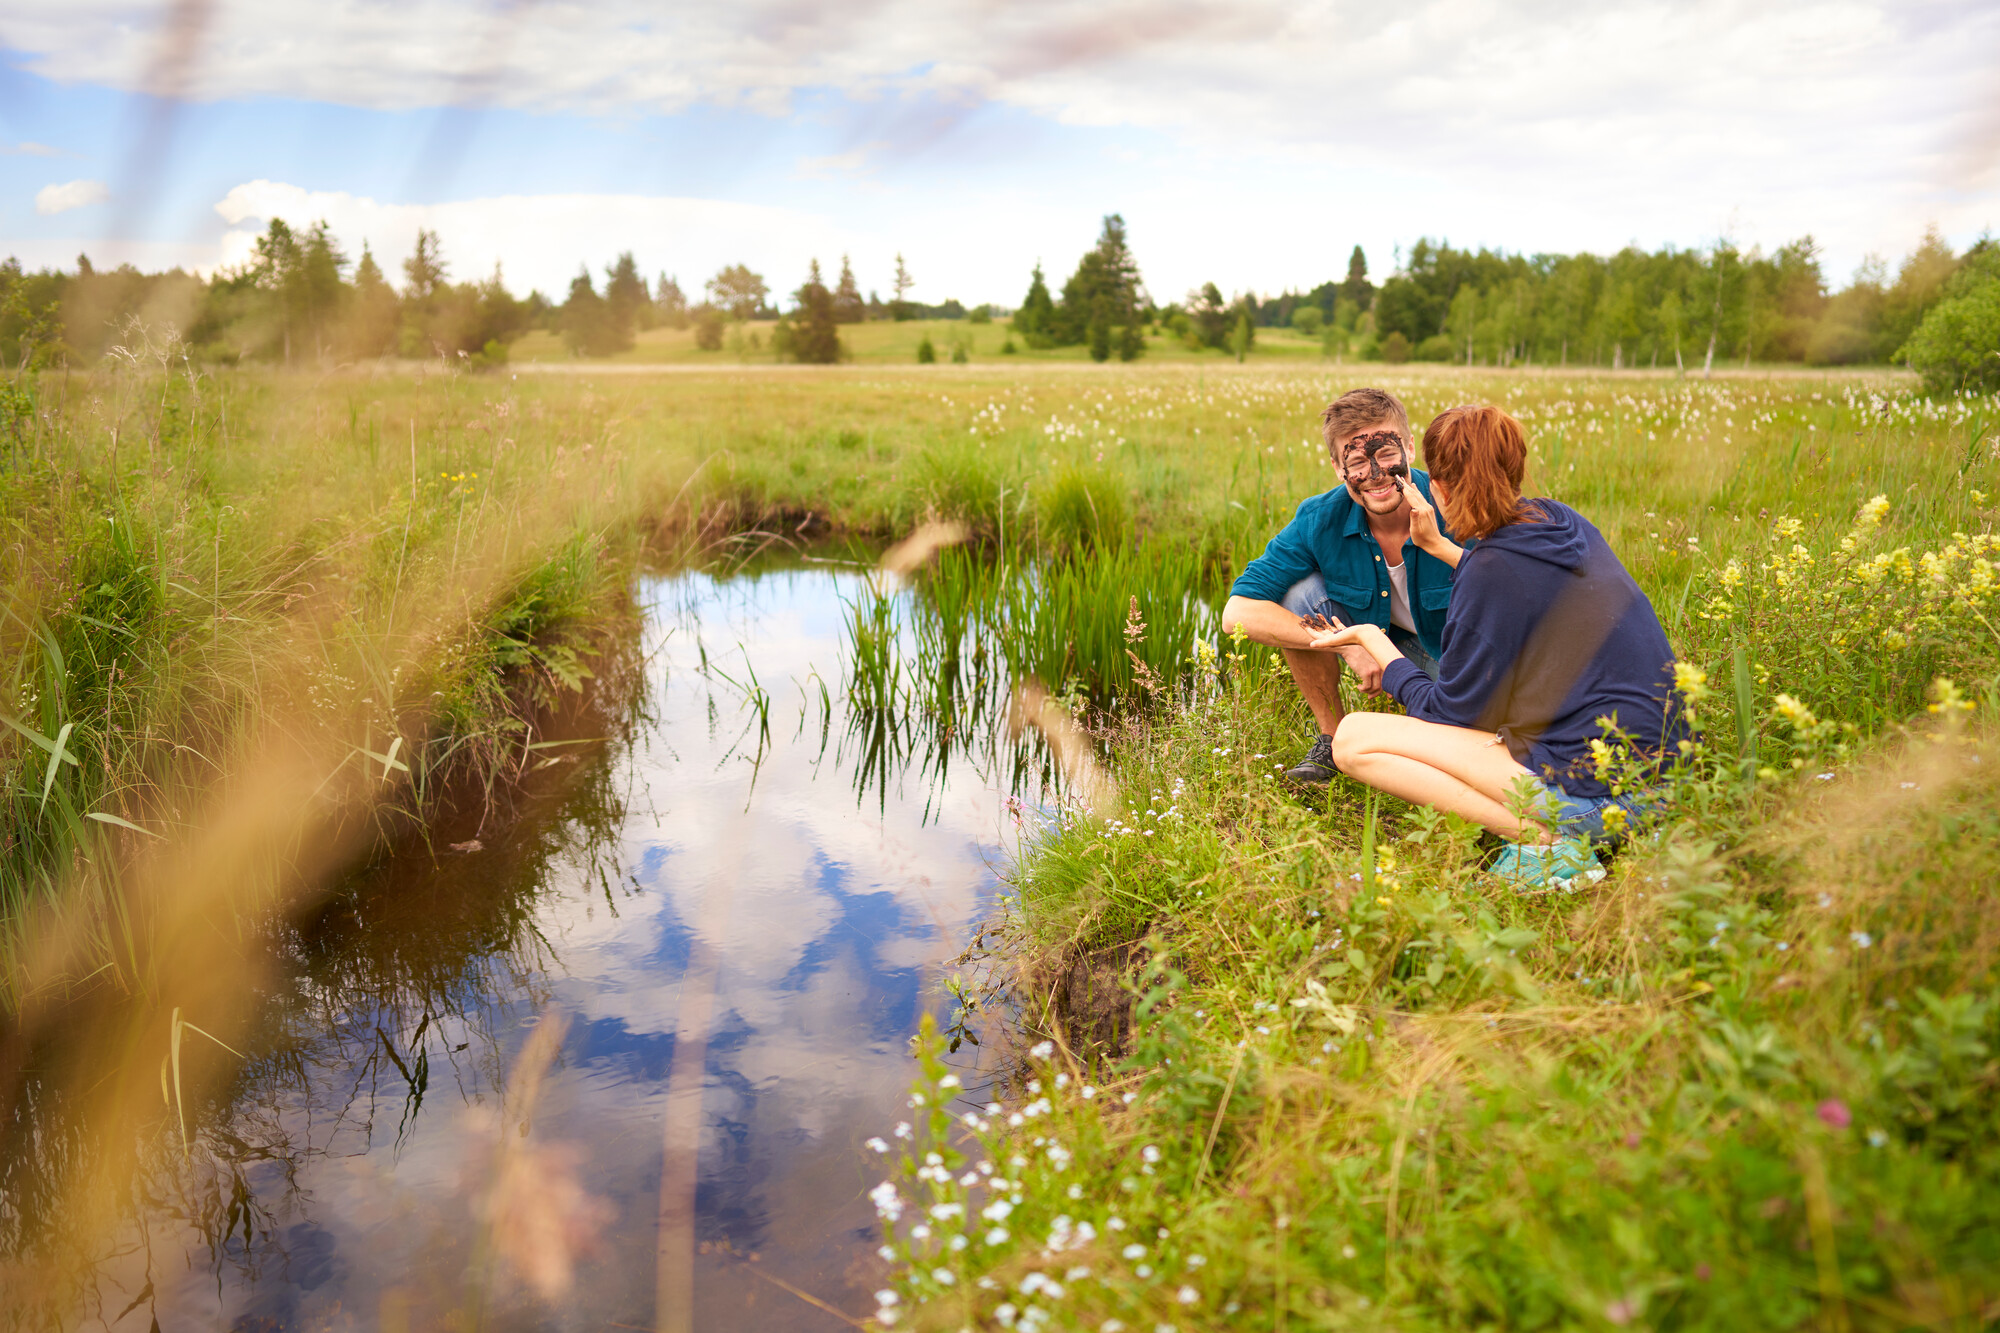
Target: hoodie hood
{"points": [[1561, 539]]}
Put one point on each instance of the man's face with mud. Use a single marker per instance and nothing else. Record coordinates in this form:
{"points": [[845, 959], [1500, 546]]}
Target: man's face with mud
{"points": [[1370, 461]]}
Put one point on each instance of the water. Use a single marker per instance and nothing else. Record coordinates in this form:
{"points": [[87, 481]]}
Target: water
{"points": [[724, 928]]}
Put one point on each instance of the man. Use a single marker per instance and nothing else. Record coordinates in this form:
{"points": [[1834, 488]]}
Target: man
{"points": [[1348, 555]]}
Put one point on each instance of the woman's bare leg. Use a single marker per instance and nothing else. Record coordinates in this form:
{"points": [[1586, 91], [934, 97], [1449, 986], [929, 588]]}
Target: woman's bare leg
{"points": [[1458, 769]]}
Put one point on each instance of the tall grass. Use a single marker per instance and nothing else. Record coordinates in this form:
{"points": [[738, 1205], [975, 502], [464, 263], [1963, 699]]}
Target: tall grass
{"points": [[269, 619], [1745, 1082]]}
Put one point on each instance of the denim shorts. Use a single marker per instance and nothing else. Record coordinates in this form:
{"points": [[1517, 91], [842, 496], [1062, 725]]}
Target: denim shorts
{"points": [[1308, 597], [1583, 816]]}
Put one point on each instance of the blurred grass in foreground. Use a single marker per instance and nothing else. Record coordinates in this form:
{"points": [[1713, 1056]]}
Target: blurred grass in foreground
{"points": [[257, 623]]}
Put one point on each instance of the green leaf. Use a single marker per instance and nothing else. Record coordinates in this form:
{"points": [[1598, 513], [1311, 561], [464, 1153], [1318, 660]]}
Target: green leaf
{"points": [[1358, 960], [103, 818]]}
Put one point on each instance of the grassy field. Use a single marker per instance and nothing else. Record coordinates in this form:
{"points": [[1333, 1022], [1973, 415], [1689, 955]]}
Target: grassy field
{"points": [[889, 342], [1302, 1065], [255, 621]]}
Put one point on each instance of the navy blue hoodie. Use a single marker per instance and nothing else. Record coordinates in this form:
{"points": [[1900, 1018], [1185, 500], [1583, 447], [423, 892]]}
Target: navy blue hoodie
{"points": [[1547, 634]]}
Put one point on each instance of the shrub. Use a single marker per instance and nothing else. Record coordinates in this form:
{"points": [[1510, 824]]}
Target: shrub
{"points": [[1957, 347], [1437, 347], [708, 329], [1309, 320], [1395, 349]]}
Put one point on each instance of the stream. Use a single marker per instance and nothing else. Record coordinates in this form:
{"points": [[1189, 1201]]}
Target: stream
{"points": [[615, 1065]]}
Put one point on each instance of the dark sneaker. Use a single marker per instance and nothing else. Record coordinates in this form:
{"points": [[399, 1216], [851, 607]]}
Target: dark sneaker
{"points": [[1318, 766]]}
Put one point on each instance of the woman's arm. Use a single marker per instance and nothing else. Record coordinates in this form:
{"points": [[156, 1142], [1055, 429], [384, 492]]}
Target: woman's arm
{"points": [[1424, 529], [1369, 638]]}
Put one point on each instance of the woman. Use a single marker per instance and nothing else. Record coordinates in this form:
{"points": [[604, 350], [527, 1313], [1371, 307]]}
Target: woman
{"points": [[1547, 637]]}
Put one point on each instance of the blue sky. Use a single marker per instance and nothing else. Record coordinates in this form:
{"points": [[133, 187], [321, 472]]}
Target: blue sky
{"points": [[1246, 143]]}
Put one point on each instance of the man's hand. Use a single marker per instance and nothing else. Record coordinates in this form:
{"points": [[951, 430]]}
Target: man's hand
{"points": [[1367, 671]]}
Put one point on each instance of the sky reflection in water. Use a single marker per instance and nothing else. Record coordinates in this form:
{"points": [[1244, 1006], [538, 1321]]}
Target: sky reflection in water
{"points": [[818, 906]]}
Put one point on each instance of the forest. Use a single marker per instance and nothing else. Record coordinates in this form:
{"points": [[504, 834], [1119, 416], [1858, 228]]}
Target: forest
{"points": [[302, 299]]}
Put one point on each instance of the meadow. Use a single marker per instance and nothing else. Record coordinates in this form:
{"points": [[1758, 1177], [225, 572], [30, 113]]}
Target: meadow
{"points": [[1293, 1061], [893, 342]]}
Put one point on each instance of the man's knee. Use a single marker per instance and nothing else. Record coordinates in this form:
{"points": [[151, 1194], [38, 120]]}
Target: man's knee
{"points": [[1304, 597]]}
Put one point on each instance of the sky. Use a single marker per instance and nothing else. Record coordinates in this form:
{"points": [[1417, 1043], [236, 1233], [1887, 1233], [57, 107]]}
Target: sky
{"points": [[1249, 143]]}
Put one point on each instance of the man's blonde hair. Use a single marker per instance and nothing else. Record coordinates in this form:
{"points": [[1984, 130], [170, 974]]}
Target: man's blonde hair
{"points": [[1361, 407]]}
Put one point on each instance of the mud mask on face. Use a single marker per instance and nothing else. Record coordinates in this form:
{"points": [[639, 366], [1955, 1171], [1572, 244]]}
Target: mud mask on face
{"points": [[1373, 448]]}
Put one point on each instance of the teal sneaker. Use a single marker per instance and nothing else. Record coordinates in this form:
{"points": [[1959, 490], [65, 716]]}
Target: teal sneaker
{"points": [[1563, 867]]}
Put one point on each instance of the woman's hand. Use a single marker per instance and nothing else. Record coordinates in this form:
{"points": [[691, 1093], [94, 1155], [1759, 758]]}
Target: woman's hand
{"points": [[1424, 525], [1370, 638]]}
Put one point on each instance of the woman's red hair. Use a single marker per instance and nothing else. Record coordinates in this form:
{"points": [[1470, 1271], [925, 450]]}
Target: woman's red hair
{"points": [[1480, 454]]}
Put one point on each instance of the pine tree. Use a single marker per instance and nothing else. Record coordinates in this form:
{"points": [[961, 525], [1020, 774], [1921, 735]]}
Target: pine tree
{"points": [[424, 271], [1132, 342], [625, 294], [1244, 336], [321, 291], [1357, 289], [671, 303], [926, 352], [1099, 338], [848, 307], [1037, 313], [371, 322], [1105, 287], [588, 324], [900, 307], [817, 338]]}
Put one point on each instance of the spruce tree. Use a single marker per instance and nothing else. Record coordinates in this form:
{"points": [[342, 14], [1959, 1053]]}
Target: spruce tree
{"points": [[588, 323], [848, 307], [1100, 340], [371, 321], [671, 303], [817, 338], [424, 271], [1037, 313], [1357, 288], [1105, 286], [1132, 342], [926, 352], [625, 294]]}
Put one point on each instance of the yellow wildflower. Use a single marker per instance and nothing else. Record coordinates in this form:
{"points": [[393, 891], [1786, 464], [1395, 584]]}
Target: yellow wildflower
{"points": [[1947, 700]]}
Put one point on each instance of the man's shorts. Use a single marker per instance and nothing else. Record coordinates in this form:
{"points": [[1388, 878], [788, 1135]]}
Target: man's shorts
{"points": [[1308, 597]]}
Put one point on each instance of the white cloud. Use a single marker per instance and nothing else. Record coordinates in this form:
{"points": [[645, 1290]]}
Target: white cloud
{"points": [[28, 148], [541, 240], [53, 199], [1530, 124]]}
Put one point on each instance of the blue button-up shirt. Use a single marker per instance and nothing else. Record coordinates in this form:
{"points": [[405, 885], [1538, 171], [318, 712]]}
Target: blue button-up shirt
{"points": [[1329, 536]]}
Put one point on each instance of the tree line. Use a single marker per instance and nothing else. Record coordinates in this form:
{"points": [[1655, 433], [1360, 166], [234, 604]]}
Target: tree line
{"points": [[301, 299]]}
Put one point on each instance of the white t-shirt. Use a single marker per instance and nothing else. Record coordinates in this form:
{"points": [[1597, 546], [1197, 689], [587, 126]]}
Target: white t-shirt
{"points": [[1399, 597]]}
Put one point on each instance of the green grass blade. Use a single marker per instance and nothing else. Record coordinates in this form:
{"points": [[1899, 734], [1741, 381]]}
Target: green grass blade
{"points": [[103, 818], [57, 753]]}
